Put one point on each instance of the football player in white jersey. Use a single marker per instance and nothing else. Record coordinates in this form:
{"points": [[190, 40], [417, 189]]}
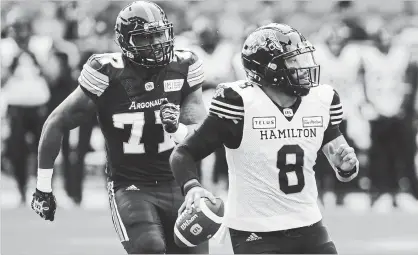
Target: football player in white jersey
{"points": [[272, 126]]}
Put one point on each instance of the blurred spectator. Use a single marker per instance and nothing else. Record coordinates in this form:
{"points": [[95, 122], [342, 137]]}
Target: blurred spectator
{"points": [[340, 61], [387, 91], [24, 60], [45, 44], [215, 45]]}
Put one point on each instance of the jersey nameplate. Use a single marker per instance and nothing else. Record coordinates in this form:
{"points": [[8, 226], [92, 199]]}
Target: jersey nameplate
{"points": [[173, 85]]}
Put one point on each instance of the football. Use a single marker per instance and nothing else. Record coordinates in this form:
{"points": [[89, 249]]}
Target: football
{"points": [[194, 228]]}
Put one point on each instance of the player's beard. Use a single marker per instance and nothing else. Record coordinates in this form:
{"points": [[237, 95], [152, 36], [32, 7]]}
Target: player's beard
{"points": [[292, 90], [296, 90]]}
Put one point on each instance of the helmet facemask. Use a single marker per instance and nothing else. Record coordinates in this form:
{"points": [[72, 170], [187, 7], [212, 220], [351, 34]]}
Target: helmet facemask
{"points": [[295, 71], [150, 46]]}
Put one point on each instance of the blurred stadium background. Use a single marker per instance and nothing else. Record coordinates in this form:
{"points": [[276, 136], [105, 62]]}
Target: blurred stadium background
{"points": [[376, 213]]}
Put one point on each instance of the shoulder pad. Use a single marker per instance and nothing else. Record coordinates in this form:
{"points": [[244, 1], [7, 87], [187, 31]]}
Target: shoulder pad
{"points": [[186, 56], [330, 99], [195, 71], [100, 61], [227, 103], [94, 77], [323, 92]]}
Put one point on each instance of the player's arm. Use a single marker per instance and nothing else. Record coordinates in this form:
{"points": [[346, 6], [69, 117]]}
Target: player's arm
{"points": [[223, 126], [179, 122], [212, 134], [76, 108], [73, 111], [340, 155]]}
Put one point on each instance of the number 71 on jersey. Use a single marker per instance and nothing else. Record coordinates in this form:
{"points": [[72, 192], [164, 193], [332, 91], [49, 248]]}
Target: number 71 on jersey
{"points": [[137, 120]]}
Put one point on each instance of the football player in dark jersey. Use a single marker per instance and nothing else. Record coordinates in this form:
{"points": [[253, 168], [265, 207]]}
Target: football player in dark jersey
{"points": [[272, 126], [145, 98]]}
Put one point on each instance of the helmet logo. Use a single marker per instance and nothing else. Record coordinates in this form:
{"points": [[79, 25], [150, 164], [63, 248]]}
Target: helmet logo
{"points": [[266, 40], [129, 54], [152, 25]]}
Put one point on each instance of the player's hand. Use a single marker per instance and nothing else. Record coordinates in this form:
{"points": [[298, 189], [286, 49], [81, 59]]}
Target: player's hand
{"points": [[169, 114], [344, 157], [193, 197], [44, 204]]}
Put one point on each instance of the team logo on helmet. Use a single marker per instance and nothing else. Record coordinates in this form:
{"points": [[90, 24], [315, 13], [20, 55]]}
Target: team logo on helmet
{"points": [[266, 40]]}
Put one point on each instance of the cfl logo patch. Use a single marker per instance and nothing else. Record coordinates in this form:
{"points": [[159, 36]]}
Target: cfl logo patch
{"points": [[196, 229], [288, 112], [149, 86]]}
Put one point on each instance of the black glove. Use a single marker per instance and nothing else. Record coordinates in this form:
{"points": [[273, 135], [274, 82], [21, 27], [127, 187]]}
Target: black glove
{"points": [[44, 204], [169, 114]]}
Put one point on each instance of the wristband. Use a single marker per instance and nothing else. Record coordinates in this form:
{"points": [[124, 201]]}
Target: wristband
{"points": [[346, 174], [44, 180], [189, 185], [180, 134]]}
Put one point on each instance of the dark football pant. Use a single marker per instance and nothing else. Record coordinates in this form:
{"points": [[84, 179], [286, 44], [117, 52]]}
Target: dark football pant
{"points": [[312, 239], [144, 218], [391, 156], [23, 121]]}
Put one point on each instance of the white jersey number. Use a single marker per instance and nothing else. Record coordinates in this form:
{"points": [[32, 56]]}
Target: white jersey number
{"points": [[290, 165], [135, 145]]}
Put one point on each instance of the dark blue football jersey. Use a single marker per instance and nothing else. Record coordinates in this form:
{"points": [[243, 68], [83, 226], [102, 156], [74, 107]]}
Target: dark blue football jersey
{"points": [[128, 99]]}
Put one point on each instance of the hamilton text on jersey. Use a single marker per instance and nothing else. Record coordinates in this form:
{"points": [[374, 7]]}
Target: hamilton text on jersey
{"points": [[287, 133]]}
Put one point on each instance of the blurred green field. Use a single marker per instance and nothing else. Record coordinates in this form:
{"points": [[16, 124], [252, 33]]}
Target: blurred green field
{"points": [[89, 230], [80, 231]]}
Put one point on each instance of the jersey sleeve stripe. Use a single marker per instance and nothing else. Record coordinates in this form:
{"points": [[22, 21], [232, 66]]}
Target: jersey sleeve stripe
{"points": [[93, 80], [337, 106], [214, 107], [226, 109], [194, 75], [225, 113], [336, 122], [226, 105], [196, 80], [92, 84], [90, 87], [195, 71], [225, 116], [96, 75], [339, 117], [334, 112], [195, 66]]}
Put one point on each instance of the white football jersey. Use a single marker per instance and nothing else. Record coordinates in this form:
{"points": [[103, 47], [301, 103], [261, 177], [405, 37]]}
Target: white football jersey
{"points": [[271, 179]]}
